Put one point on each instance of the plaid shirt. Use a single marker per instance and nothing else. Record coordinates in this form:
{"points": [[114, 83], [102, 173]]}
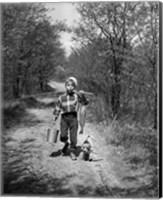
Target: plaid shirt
{"points": [[69, 103]]}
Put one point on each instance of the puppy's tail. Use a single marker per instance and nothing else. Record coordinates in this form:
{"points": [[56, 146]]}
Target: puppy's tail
{"points": [[89, 140]]}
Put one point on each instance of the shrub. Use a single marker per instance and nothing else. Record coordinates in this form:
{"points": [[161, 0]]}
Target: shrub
{"points": [[12, 114]]}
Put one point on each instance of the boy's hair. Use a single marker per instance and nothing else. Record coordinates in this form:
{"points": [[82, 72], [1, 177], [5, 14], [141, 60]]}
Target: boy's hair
{"points": [[72, 79]]}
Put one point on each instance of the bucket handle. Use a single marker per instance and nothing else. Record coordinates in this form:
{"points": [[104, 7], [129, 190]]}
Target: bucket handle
{"points": [[53, 122]]}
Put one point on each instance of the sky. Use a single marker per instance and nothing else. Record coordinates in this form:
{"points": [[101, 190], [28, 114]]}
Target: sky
{"points": [[68, 13]]}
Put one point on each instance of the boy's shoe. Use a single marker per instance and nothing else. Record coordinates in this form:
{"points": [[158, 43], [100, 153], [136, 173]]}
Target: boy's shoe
{"points": [[65, 148], [73, 156]]}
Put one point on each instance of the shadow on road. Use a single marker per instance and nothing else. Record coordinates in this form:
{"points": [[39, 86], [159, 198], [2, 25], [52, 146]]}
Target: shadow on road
{"points": [[58, 152], [55, 153], [33, 184]]}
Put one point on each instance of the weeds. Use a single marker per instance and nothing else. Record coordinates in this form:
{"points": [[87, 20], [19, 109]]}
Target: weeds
{"points": [[139, 149], [14, 112]]}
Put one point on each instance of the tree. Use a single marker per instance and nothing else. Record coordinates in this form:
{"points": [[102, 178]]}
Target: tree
{"points": [[120, 39], [31, 48], [148, 35], [109, 22]]}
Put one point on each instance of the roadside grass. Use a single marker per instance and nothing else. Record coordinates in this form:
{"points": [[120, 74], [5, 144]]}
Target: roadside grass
{"points": [[136, 147], [136, 136], [14, 113], [134, 144]]}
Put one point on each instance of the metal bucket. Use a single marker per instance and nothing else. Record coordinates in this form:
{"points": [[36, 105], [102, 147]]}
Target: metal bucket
{"points": [[52, 135]]}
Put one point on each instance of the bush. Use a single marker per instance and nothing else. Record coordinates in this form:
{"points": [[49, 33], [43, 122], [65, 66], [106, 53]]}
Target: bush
{"points": [[100, 110], [137, 149], [135, 139], [13, 113]]}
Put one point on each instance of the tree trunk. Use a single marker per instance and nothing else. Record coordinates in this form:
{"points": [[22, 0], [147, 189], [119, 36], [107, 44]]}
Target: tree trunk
{"points": [[42, 85], [155, 112], [116, 88], [16, 87], [115, 98]]}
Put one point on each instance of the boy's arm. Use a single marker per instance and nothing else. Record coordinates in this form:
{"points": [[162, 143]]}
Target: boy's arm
{"points": [[57, 109], [82, 98]]}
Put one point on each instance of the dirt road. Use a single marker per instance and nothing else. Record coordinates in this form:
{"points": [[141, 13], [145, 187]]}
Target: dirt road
{"points": [[31, 166]]}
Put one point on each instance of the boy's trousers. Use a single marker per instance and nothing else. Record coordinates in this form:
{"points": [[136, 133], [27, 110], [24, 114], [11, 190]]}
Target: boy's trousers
{"points": [[69, 124]]}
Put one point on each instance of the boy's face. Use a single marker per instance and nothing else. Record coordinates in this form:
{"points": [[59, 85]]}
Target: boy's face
{"points": [[70, 87]]}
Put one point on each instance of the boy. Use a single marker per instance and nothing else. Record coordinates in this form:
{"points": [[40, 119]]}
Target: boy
{"points": [[67, 105]]}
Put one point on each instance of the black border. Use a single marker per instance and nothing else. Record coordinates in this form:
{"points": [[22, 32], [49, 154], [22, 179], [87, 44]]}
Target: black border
{"points": [[160, 97]]}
